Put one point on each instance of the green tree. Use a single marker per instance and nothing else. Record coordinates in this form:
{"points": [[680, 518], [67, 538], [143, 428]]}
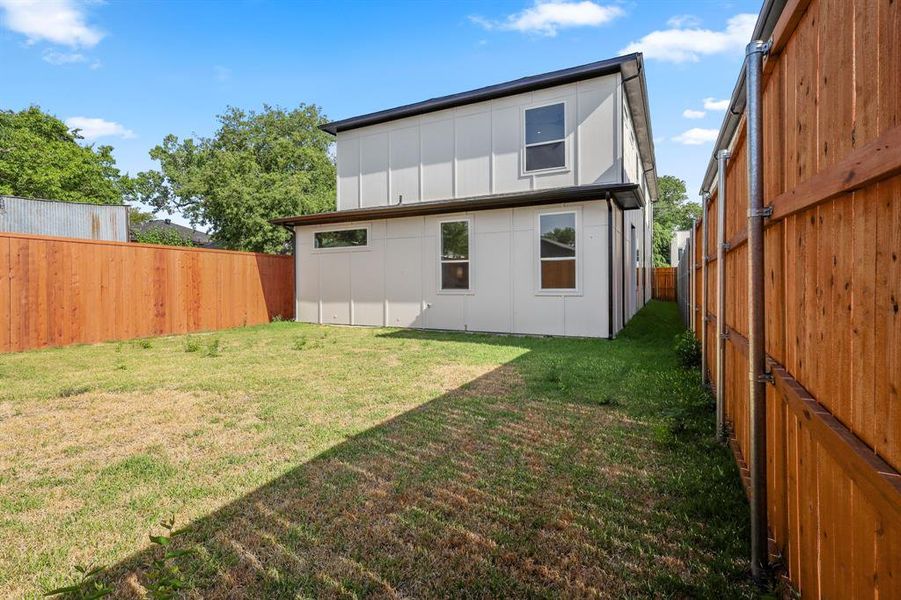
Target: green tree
{"points": [[672, 212], [41, 158], [256, 167]]}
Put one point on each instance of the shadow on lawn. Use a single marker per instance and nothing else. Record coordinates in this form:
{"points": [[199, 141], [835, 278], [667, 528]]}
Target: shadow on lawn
{"points": [[502, 487]]}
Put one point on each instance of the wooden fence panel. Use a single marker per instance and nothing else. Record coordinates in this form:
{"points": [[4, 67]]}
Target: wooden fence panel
{"points": [[57, 291], [832, 173], [664, 283]]}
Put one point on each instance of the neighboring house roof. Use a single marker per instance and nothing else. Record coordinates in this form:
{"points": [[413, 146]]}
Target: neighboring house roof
{"points": [[199, 238], [631, 66], [626, 195], [555, 249]]}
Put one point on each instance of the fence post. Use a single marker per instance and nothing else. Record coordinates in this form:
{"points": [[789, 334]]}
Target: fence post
{"points": [[705, 199], [722, 156], [691, 276], [756, 324]]}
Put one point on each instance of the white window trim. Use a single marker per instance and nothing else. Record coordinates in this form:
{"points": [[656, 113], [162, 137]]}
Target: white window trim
{"points": [[456, 292], [577, 291], [323, 228], [566, 159]]}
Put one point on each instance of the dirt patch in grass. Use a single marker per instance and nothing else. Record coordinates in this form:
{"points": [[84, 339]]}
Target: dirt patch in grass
{"points": [[64, 435]]}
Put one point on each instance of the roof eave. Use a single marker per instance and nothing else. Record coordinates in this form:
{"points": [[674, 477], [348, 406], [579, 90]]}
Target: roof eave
{"points": [[500, 90], [627, 195]]}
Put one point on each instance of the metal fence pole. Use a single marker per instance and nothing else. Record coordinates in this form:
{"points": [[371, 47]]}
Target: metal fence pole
{"points": [[705, 199], [691, 276], [756, 325], [722, 156]]}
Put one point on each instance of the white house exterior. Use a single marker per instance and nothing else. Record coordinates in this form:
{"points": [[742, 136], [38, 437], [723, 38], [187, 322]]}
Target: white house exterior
{"points": [[523, 207], [677, 245]]}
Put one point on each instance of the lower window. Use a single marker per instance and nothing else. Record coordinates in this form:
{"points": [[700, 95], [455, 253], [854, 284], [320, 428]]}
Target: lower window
{"points": [[342, 238], [454, 255], [557, 252]]}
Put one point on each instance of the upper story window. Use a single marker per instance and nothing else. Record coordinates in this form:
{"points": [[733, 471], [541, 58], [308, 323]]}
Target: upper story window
{"points": [[545, 138], [557, 251], [342, 238], [455, 255]]}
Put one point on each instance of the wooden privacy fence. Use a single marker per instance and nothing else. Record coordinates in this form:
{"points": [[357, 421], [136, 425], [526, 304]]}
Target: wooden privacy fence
{"points": [[832, 154], [664, 284], [60, 291]]}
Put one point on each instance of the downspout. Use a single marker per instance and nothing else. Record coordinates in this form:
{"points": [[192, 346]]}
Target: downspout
{"points": [[722, 156], [755, 53], [705, 200], [293, 231], [610, 267]]}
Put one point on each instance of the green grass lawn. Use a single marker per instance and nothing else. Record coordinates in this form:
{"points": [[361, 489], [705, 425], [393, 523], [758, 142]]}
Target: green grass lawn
{"points": [[303, 460]]}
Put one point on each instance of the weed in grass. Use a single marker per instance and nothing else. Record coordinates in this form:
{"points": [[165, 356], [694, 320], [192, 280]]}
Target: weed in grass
{"points": [[688, 350], [85, 587], [300, 343], [144, 344], [73, 390], [213, 347], [278, 318], [164, 578], [191, 344]]}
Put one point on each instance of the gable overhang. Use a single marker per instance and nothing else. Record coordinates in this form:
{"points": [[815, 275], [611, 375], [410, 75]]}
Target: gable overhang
{"points": [[626, 195]]}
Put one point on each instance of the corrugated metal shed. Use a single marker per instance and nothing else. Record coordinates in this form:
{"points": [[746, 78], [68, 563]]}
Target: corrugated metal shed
{"points": [[107, 222]]}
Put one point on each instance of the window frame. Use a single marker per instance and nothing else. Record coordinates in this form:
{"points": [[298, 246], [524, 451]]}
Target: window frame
{"points": [[566, 159], [440, 251], [325, 228], [577, 290]]}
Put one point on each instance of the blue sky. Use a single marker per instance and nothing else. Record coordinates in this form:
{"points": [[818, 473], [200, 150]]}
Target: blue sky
{"points": [[128, 73]]}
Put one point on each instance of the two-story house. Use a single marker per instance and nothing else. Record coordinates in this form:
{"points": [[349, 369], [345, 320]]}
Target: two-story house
{"points": [[522, 207]]}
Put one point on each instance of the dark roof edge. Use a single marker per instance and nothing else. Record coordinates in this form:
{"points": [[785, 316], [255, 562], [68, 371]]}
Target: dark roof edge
{"points": [[499, 90], [626, 194]]}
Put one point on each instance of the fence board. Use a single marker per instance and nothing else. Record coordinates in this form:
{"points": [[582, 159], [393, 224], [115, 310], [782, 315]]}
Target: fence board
{"points": [[57, 291], [832, 111], [664, 284]]}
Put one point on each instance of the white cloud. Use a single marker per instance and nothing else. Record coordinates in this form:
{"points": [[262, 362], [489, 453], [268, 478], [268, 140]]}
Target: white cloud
{"points": [[58, 21], [689, 113], [92, 128], [688, 44], [683, 21], [696, 136], [63, 58], [547, 17], [714, 104]]}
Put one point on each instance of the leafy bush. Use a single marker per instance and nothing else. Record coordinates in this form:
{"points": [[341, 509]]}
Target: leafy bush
{"points": [[191, 344], [162, 236], [688, 350]]}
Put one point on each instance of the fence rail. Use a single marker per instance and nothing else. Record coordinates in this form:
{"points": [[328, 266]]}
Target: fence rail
{"points": [[664, 284], [61, 291], [832, 158]]}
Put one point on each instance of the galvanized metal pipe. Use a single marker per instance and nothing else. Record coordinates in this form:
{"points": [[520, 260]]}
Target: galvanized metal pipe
{"points": [[691, 273], [722, 156], [705, 199], [755, 53]]}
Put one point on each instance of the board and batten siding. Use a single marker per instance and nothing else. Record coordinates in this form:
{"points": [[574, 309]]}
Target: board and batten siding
{"points": [[476, 150], [395, 280]]}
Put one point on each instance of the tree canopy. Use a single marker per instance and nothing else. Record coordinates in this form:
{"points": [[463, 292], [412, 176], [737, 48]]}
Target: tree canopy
{"points": [[41, 158], [672, 212], [256, 167]]}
